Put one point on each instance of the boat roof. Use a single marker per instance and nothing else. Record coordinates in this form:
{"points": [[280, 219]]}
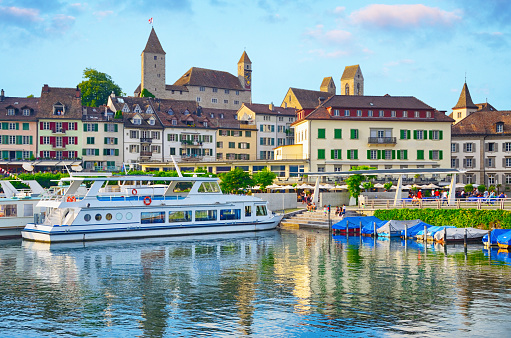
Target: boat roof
{"points": [[140, 178]]}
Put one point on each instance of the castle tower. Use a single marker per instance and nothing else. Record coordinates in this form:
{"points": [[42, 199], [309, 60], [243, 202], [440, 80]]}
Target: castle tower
{"points": [[328, 86], [153, 66], [352, 81], [245, 71], [464, 107]]}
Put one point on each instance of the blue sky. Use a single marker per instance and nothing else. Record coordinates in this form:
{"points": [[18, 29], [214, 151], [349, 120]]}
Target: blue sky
{"points": [[405, 48]]}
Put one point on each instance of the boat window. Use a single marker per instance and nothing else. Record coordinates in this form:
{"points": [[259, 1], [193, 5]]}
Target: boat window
{"points": [[209, 187], [261, 210], [129, 216], [226, 214], [86, 217], [108, 217], [98, 217], [205, 215], [180, 216], [118, 216], [152, 217], [28, 210], [8, 210], [248, 210], [183, 186]]}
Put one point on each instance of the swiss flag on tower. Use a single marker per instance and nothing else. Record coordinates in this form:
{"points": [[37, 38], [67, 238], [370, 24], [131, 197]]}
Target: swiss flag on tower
{"points": [[151, 20]]}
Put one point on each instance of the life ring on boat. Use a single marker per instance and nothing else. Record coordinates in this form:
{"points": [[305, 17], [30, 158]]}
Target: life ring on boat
{"points": [[134, 191], [71, 199], [147, 200]]}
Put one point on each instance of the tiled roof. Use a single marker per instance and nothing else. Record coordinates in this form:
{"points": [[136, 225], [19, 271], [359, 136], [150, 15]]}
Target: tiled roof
{"points": [[349, 72], [244, 58], [376, 102], [143, 103], [482, 123], [308, 98], [485, 106], [18, 104], [326, 81], [465, 101], [209, 78], [227, 118], [69, 97], [174, 87], [101, 113], [153, 44], [260, 108], [185, 113]]}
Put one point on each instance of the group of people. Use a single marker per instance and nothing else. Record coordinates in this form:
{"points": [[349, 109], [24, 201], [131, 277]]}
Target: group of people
{"points": [[437, 194]]}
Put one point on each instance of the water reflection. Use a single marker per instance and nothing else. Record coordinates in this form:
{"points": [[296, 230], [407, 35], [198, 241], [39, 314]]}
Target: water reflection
{"points": [[292, 282]]}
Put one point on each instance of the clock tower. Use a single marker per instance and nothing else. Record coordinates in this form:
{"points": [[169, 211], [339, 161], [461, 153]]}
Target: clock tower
{"points": [[245, 71]]}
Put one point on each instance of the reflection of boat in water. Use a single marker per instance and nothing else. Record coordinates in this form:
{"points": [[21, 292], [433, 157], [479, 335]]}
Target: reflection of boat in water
{"points": [[183, 206], [495, 254]]}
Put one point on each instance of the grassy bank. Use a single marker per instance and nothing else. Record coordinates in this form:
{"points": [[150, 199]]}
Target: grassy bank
{"points": [[461, 218]]}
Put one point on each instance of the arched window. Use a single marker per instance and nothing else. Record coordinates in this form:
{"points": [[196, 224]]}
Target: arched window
{"points": [[347, 89]]}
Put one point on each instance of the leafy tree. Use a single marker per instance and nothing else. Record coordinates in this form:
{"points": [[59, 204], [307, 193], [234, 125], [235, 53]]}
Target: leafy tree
{"points": [[388, 186], [468, 188], [481, 188], [367, 185], [235, 181], [118, 115], [264, 178], [354, 181], [97, 87], [146, 93]]}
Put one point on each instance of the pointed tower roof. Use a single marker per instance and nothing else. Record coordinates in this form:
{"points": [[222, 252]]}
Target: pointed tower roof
{"points": [[350, 72], [244, 58], [465, 101], [153, 44]]}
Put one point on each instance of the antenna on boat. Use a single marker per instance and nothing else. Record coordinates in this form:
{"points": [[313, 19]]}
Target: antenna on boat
{"points": [[176, 166]]}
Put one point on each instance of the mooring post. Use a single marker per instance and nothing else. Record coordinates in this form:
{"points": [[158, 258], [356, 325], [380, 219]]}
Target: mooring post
{"points": [[489, 239], [425, 238], [406, 232], [445, 235], [360, 229], [465, 238], [374, 229], [329, 221]]}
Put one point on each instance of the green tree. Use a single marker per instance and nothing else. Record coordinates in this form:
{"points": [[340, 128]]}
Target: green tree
{"points": [[30, 96], [481, 188], [235, 181], [353, 182], [146, 93], [97, 87], [264, 178], [468, 188], [388, 186]]}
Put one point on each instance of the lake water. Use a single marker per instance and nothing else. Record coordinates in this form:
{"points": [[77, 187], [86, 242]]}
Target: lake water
{"points": [[280, 283]]}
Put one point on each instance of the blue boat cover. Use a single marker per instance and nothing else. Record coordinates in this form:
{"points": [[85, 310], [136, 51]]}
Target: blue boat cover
{"points": [[413, 230], [353, 222], [433, 230], [504, 238], [494, 234]]}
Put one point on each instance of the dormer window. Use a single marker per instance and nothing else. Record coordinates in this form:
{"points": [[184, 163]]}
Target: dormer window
{"points": [[499, 127], [170, 112], [417, 114], [137, 109], [186, 112], [11, 111], [125, 108], [221, 116], [149, 110], [174, 122], [428, 114], [137, 121], [405, 113], [58, 109], [212, 115], [205, 123], [26, 112], [151, 122]]}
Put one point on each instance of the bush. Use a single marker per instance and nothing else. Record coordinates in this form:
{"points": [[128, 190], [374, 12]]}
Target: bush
{"points": [[461, 218], [469, 188], [481, 188]]}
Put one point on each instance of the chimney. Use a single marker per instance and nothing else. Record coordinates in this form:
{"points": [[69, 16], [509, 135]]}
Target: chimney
{"points": [[2, 95], [84, 111], [77, 94], [112, 95], [271, 106], [46, 89], [321, 100]]}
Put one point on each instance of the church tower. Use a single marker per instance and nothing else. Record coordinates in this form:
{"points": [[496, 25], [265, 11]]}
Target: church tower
{"points": [[328, 86], [352, 81], [153, 66], [464, 107], [245, 71]]}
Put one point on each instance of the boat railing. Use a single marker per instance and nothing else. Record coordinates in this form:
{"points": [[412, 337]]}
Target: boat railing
{"points": [[122, 198]]}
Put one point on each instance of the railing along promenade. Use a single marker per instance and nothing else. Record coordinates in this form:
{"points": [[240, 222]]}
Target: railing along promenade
{"points": [[459, 203]]}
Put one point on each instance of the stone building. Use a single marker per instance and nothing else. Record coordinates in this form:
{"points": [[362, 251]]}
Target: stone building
{"points": [[352, 81], [210, 88], [465, 106]]}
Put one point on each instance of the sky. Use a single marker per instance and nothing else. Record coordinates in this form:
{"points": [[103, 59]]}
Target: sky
{"points": [[404, 48]]}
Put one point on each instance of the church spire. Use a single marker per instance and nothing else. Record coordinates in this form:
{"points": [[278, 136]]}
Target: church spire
{"points": [[153, 44], [465, 100]]}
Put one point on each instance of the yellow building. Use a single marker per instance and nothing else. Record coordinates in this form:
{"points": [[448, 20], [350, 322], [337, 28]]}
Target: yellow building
{"points": [[380, 131]]}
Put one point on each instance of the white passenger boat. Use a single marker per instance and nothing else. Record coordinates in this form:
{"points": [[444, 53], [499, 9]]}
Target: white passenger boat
{"points": [[131, 206], [17, 207]]}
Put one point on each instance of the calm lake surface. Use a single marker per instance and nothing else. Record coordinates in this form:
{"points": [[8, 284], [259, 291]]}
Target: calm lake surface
{"points": [[280, 283]]}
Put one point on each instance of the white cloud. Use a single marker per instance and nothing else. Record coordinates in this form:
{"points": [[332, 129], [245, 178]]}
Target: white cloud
{"points": [[18, 13], [328, 55], [399, 63], [334, 36], [404, 16], [102, 14], [339, 10]]}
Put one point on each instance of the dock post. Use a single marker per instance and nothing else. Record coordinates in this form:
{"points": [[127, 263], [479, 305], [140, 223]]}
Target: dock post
{"points": [[360, 229], [406, 232], [488, 244], [445, 235], [465, 238], [425, 238], [374, 229], [329, 221]]}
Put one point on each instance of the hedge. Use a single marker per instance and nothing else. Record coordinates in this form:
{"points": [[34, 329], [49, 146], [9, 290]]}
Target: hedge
{"points": [[461, 218]]}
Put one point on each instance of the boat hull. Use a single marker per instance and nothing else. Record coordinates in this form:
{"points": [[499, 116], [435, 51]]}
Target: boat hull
{"points": [[11, 227], [49, 234]]}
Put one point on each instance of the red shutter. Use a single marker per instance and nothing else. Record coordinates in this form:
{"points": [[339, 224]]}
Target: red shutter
{"points": [[41, 153], [52, 140], [41, 140], [53, 154], [41, 126], [52, 125], [64, 125], [64, 141], [64, 154]]}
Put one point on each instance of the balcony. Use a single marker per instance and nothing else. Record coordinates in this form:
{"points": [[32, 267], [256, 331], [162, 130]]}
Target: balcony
{"points": [[191, 143], [58, 131], [191, 158], [382, 140], [146, 154], [146, 140]]}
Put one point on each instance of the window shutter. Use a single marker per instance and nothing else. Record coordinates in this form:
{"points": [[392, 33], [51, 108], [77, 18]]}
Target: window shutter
{"points": [[440, 134], [5, 125], [431, 154], [95, 127], [486, 146], [473, 163], [457, 163], [402, 134], [495, 147], [440, 154], [399, 154], [348, 154], [248, 145], [116, 152], [405, 155], [115, 140], [31, 139], [393, 154], [425, 134], [356, 154], [104, 152], [430, 135], [368, 154], [18, 155], [96, 152], [418, 154], [116, 128], [378, 154], [84, 127], [261, 141], [239, 145], [106, 127], [25, 126], [261, 127], [408, 134], [486, 164], [272, 128], [332, 155], [19, 139], [106, 139], [41, 125], [464, 163], [272, 141]]}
